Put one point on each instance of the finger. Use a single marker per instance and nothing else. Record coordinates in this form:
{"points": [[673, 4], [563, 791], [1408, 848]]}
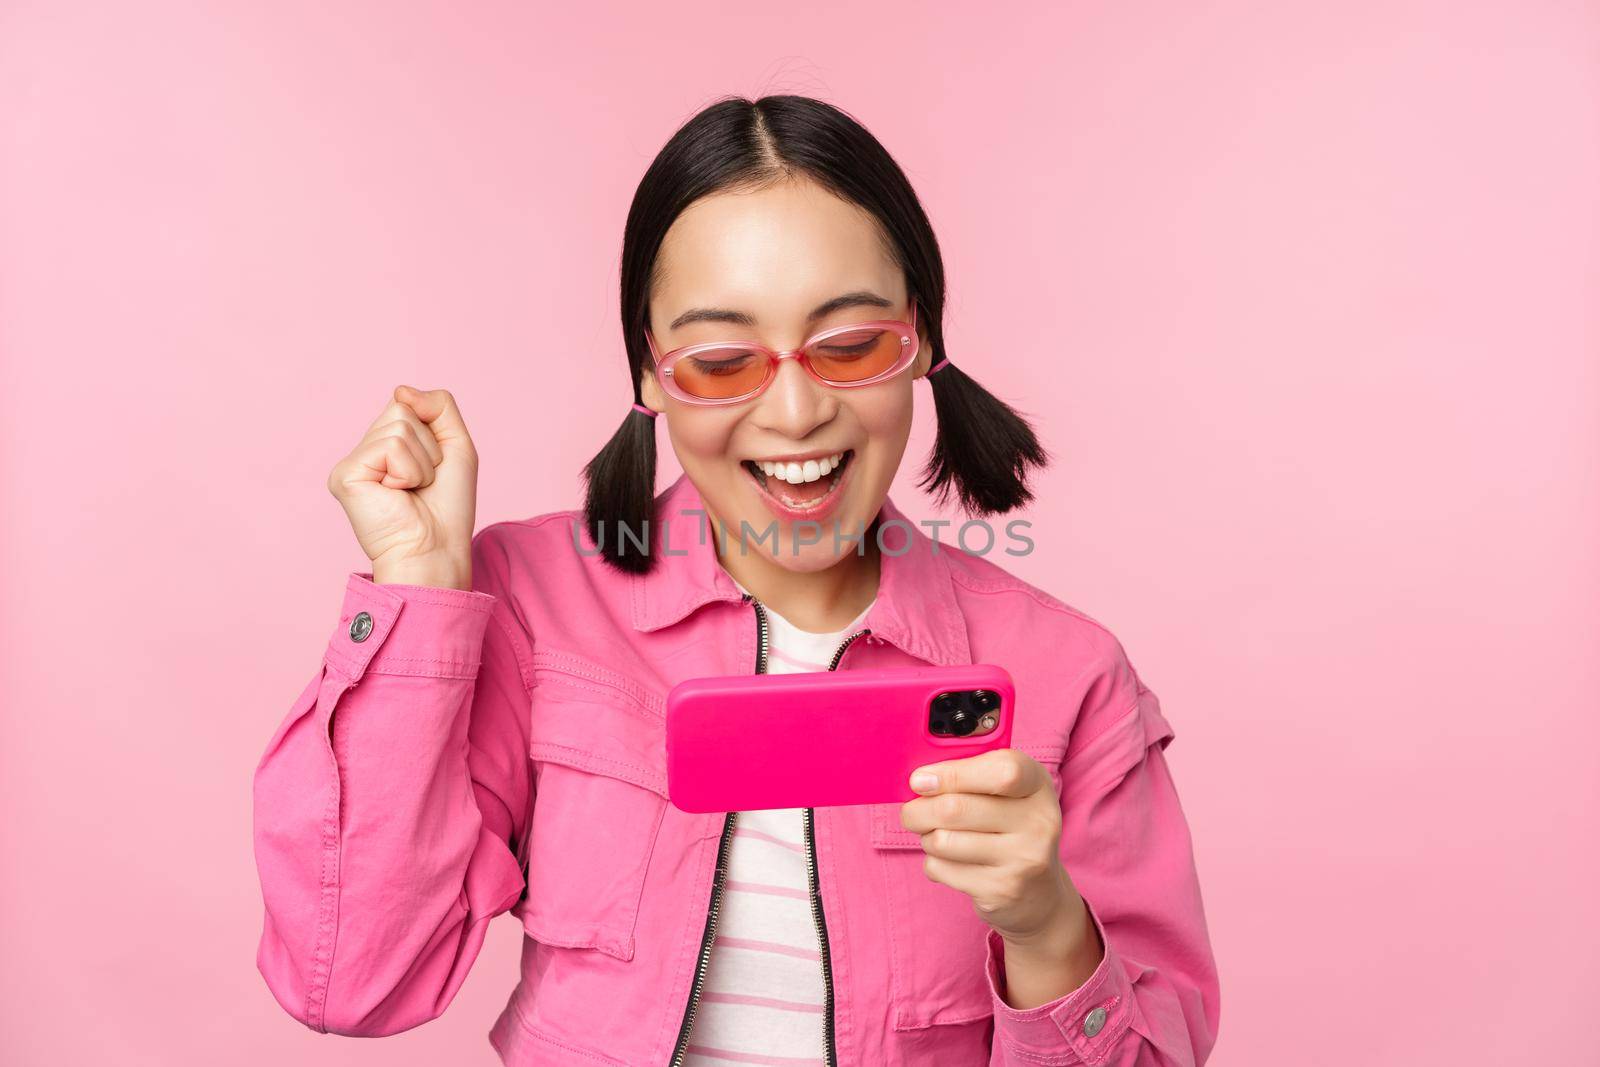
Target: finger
{"points": [[962, 811], [388, 461], [1000, 771], [968, 846], [438, 409], [397, 411], [975, 880], [403, 432]]}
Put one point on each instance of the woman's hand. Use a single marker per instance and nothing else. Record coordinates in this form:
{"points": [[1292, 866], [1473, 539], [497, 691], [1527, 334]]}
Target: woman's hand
{"points": [[410, 490], [991, 828]]}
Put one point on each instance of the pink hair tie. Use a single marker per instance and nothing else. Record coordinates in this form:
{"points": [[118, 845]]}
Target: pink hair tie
{"points": [[944, 361], [641, 409]]}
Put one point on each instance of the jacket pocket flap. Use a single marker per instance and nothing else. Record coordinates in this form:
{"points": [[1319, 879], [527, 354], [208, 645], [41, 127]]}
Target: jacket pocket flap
{"points": [[592, 726]]}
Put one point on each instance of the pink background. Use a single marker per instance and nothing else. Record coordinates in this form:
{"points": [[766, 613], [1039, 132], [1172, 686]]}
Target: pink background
{"points": [[1302, 295]]}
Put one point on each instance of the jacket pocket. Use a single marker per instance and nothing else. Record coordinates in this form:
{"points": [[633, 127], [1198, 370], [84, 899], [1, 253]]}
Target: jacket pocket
{"points": [[599, 766], [937, 941]]}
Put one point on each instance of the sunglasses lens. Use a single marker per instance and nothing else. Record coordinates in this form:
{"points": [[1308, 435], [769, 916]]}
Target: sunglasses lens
{"points": [[856, 355], [721, 373]]}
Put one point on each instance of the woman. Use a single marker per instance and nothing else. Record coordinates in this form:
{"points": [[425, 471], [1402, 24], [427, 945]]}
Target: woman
{"points": [[485, 733]]}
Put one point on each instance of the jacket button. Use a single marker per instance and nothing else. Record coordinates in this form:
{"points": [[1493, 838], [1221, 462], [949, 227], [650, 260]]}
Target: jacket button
{"points": [[1093, 1022], [361, 627]]}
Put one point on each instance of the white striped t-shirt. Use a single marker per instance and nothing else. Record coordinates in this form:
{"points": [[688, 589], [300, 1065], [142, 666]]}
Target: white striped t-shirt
{"points": [[763, 994]]}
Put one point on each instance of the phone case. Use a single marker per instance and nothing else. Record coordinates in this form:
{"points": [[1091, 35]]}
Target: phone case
{"points": [[750, 741]]}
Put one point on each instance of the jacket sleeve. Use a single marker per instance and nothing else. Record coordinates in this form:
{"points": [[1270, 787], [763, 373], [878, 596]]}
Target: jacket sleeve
{"points": [[1154, 999], [391, 806]]}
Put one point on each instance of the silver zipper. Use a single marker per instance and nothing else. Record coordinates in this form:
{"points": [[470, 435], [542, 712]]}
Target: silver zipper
{"points": [[710, 934]]}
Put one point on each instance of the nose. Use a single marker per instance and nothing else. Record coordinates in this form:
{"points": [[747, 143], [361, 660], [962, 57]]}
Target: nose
{"points": [[795, 403]]}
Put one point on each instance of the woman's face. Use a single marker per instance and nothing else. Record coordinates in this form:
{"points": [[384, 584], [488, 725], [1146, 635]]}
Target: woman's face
{"points": [[776, 255]]}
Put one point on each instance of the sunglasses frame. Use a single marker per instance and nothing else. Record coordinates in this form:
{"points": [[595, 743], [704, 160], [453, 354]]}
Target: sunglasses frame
{"points": [[910, 344]]}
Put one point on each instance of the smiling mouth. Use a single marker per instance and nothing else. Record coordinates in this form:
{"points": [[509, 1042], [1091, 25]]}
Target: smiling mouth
{"points": [[799, 494]]}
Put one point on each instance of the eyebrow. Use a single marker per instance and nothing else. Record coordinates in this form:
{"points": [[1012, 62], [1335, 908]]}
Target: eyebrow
{"points": [[858, 298]]}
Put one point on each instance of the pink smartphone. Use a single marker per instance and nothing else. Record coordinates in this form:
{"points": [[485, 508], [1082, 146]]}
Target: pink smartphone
{"points": [[749, 741]]}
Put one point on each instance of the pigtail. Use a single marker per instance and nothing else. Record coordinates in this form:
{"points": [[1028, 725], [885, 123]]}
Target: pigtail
{"points": [[619, 500], [982, 448]]}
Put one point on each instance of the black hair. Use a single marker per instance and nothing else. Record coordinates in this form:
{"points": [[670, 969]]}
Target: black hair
{"points": [[982, 448]]}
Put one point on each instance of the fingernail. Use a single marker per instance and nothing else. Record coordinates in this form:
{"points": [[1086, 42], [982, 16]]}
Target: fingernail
{"points": [[924, 781]]}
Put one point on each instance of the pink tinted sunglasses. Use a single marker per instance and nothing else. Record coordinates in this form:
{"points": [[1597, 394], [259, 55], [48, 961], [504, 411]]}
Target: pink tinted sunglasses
{"points": [[727, 372]]}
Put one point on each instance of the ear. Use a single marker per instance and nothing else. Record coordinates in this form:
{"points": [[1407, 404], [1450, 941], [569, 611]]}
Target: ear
{"points": [[924, 360], [650, 391]]}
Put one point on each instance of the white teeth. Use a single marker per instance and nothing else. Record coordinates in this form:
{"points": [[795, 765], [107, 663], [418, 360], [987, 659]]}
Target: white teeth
{"points": [[795, 473]]}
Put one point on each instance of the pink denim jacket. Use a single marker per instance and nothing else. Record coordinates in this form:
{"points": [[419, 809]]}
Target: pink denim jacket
{"points": [[464, 753]]}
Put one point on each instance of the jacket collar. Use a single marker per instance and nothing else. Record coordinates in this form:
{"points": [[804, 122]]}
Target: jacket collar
{"points": [[916, 608]]}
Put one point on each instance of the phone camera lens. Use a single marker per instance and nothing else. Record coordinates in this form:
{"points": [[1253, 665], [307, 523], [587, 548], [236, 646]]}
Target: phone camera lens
{"points": [[952, 714]]}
